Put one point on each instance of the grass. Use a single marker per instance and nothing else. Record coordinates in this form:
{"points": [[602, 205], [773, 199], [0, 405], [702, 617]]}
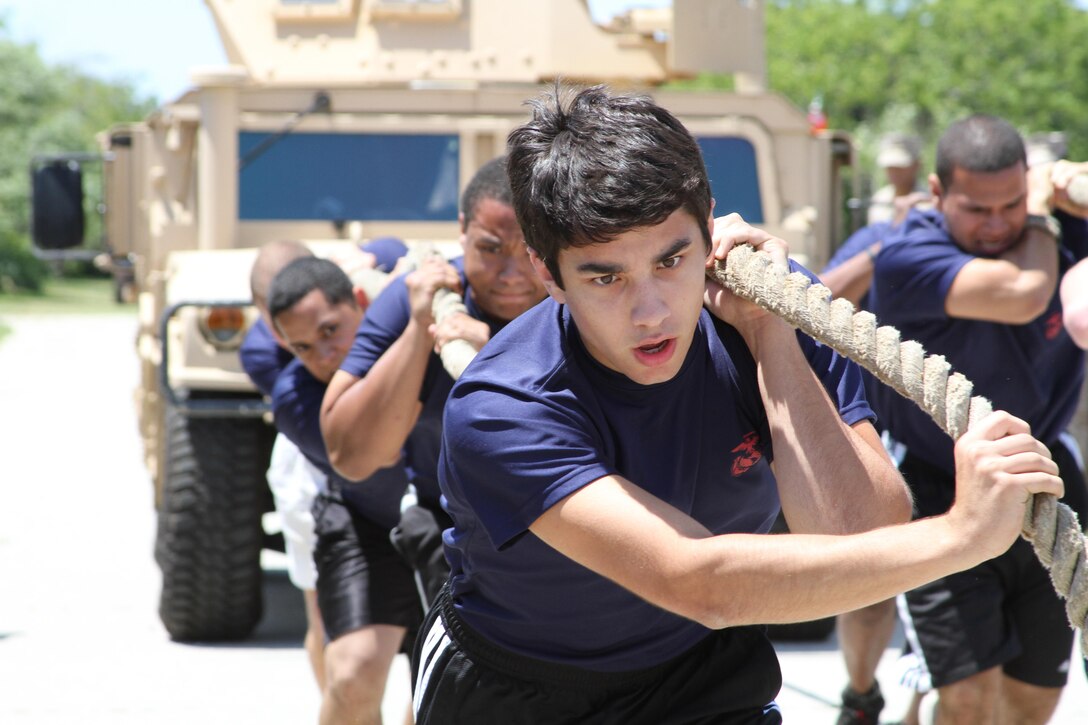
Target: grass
{"points": [[64, 296]]}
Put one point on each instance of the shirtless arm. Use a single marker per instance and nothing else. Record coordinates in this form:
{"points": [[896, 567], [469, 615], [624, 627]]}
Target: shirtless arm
{"points": [[616, 529]]}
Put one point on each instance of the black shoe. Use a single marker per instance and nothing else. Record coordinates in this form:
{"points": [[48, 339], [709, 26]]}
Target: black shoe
{"points": [[861, 708]]}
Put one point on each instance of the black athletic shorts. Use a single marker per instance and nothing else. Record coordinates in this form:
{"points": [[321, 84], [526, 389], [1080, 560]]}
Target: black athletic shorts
{"points": [[418, 538], [361, 579], [1003, 612], [731, 677]]}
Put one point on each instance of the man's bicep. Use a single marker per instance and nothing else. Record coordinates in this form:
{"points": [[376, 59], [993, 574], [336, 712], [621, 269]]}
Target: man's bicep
{"points": [[623, 533]]}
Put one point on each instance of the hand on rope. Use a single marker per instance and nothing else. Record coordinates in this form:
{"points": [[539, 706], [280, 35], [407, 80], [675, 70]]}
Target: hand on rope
{"points": [[439, 295], [1050, 526]]}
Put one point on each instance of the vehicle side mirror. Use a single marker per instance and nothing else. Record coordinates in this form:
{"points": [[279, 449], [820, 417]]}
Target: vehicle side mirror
{"points": [[57, 216]]}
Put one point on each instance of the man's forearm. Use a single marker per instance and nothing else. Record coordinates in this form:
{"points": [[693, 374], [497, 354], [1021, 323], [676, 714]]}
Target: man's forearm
{"points": [[1036, 256], [792, 578], [830, 478], [365, 421]]}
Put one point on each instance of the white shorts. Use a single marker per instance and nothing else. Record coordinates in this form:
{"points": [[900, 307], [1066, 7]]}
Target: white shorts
{"points": [[295, 482]]}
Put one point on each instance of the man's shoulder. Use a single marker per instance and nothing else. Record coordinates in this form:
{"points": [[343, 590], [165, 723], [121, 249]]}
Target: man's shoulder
{"points": [[859, 241], [530, 353], [296, 384], [920, 227], [261, 357]]}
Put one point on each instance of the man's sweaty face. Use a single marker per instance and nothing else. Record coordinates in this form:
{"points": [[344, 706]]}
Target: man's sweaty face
{"points": [[985, 211], [496, 262], [319, 333]]}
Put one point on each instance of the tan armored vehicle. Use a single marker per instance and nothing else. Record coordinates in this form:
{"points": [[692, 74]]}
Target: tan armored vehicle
{"points": [[340, 120]]}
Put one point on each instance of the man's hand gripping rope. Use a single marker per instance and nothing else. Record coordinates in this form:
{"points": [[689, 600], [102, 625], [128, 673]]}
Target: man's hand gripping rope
{"points": [[1051, 527]]}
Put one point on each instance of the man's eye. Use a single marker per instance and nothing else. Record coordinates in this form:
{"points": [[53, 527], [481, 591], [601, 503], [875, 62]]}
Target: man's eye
{"points": [[604, 280], [329, 331], [671, 262]]}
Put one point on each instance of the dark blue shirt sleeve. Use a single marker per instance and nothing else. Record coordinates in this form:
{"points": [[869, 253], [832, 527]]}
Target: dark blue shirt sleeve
{"points": [[840, 376], [913, 275], [386, 319], [858, 242], [262, 358], [296, 408]]}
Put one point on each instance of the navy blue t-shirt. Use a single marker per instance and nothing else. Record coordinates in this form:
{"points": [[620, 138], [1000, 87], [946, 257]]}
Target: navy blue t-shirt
{"points": [[1033, 371], [296, 405], [386, 319], [535, 417], [262, 358]]}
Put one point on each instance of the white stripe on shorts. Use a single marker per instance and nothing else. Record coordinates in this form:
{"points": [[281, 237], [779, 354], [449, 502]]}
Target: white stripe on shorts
{"points": [[914, 673], [1073, 447], [437, 640]]}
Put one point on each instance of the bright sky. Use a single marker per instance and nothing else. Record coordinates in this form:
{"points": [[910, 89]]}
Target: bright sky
{"points": [[162, 39]]}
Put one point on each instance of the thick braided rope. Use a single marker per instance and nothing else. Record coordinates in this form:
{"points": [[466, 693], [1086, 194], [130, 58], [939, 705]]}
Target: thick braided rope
{"points": [[457, 353], [1050, 526]]}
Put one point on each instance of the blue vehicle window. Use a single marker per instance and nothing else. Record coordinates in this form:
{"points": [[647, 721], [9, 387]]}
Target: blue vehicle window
{"points": [[734, 177], [343, 177]]}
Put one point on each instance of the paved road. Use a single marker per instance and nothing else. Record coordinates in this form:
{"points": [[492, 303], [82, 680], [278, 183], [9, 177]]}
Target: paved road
{"points": [[80, 640]]}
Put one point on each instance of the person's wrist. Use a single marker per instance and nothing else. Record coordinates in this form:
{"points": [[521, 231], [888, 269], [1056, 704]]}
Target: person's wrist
{"points": [[763, 332], [1047, 223]]}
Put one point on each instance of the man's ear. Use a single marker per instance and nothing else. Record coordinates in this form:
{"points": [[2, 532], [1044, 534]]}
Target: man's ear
{"points": [[554, 290], [276, 334], [937, 191], [461, 225], [710, 230]]}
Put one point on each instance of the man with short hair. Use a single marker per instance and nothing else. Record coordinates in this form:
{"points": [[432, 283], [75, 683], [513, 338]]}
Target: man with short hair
{"points": [[609, 455], [365, 591], [293, 481], [389, 393], [983, 279]]}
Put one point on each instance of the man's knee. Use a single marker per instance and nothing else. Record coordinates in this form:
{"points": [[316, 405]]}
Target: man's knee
{"points": [[1028, 703], [357, 666], [970, 700]]}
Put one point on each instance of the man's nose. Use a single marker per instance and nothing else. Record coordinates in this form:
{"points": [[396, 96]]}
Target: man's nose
{"points": [[650, 307]]}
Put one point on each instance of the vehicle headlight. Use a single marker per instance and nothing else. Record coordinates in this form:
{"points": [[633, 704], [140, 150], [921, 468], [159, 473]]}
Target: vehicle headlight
{"points": [[224, 327]]}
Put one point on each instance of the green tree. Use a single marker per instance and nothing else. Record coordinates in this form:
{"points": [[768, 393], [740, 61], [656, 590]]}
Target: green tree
{"points": [[45, 109], [917, 65]]}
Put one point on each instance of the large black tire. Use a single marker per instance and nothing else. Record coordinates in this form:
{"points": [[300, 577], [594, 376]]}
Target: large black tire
{"points": [[209, 538]]}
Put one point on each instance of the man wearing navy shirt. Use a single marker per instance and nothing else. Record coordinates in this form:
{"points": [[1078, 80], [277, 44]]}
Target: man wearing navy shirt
{"points": [[292, 478], [390, 390], [611, 456], [365, 591], [293, 481], [982, 279]]}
